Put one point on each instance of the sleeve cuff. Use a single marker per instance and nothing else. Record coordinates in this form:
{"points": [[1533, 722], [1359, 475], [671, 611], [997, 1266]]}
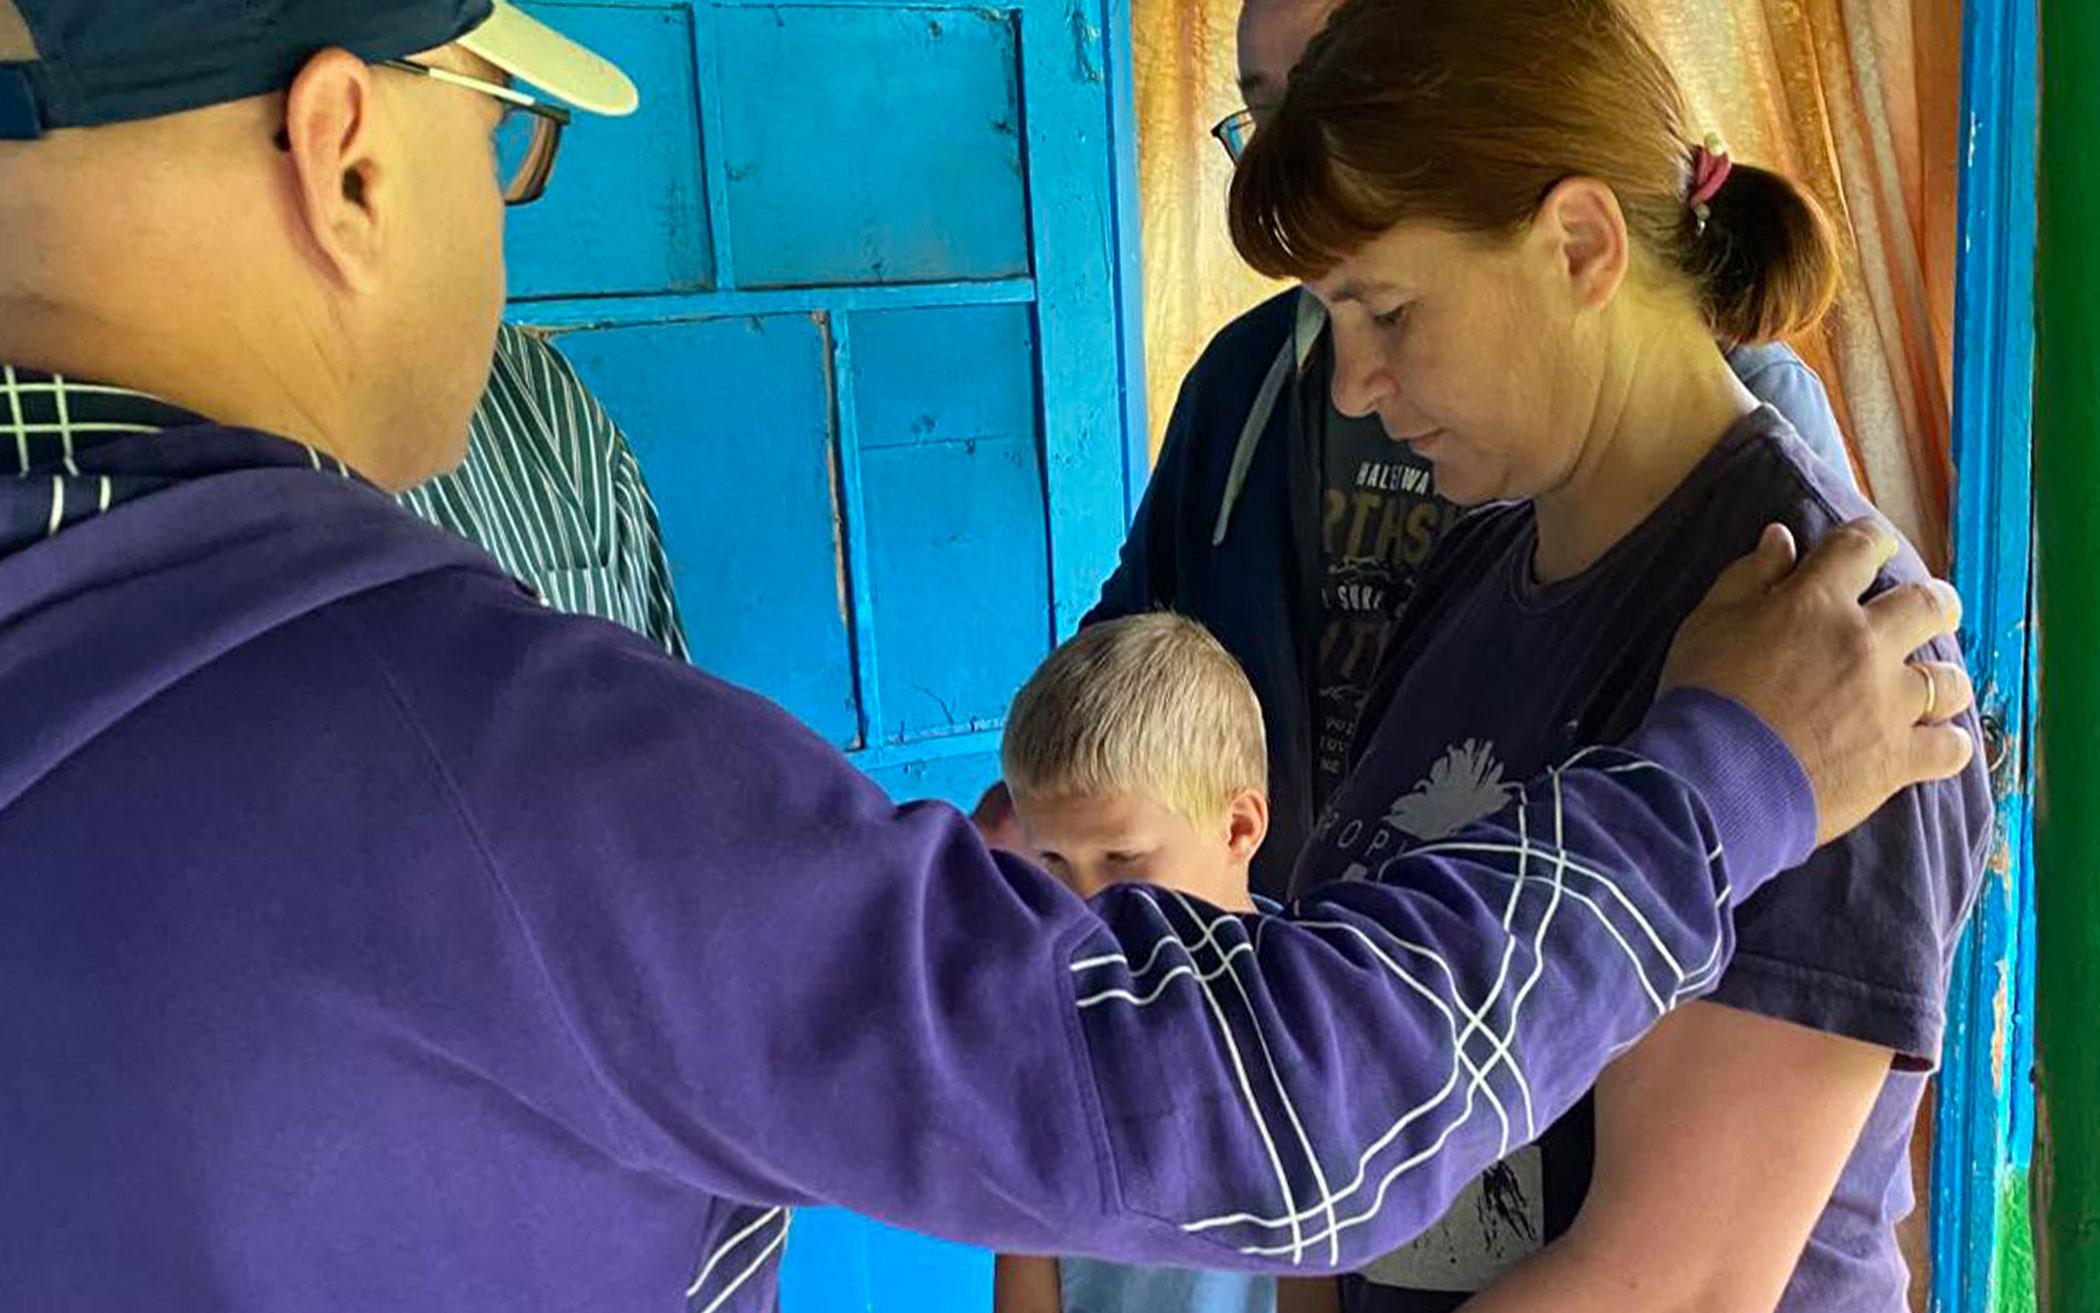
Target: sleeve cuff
{"points": [[1910, 1025]]}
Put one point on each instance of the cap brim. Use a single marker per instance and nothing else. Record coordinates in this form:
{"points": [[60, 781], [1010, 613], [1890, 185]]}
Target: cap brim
{"points": [[531, 51]]}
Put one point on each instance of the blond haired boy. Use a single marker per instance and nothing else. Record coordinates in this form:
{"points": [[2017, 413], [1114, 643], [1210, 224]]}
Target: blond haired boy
{"points": [[1135, 754]]}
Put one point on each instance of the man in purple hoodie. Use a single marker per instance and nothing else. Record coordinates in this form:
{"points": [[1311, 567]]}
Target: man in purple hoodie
{"points": [[374, 937]]}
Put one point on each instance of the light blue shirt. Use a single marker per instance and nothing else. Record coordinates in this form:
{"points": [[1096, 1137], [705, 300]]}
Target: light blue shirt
{"points": [[1782, 380], [1088, 1286]]}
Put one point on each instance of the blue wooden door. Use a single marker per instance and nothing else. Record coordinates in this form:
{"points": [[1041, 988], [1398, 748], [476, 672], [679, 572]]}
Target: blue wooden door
{"points": [[857, 282]]}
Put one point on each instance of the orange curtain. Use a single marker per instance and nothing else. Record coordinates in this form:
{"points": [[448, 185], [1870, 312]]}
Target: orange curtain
{"points": [[1858, 99], [1195, 284]]}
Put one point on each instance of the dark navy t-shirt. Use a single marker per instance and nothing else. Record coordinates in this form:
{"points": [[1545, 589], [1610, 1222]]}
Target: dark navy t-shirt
{"points": [[1494, 677]]}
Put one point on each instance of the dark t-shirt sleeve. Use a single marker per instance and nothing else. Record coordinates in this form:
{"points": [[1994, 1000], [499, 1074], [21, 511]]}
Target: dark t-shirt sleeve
{"points": [[1854, 942]]}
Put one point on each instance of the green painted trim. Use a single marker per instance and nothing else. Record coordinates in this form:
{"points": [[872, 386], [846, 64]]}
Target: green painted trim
{"points": [[2012, 1269], [2067, 839]]}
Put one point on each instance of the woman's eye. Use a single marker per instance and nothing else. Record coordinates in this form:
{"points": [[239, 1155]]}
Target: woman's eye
{"points": [[1392, 318]]}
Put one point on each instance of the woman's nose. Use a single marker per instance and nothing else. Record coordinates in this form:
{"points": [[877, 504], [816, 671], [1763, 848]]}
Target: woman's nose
{"points": [[1361, 379]]}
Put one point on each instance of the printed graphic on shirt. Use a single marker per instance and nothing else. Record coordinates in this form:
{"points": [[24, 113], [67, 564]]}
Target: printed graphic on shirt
{"points": [[1464, 786], [1494, 1224], [1499, 1219], [1380, 519]]}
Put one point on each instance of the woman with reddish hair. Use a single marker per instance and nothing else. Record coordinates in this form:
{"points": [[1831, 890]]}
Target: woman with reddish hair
{"points": [[1532, 261]]}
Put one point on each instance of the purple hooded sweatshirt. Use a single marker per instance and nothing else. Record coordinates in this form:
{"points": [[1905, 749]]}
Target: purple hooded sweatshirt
{"points": [[372, 937]]}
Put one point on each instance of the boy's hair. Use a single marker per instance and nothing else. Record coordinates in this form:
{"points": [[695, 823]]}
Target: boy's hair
{"points": [[1146, 704]]}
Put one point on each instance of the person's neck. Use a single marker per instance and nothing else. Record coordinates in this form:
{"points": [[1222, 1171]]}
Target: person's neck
{"points": [[1670, 398], [230, 373], [1234, 895]]}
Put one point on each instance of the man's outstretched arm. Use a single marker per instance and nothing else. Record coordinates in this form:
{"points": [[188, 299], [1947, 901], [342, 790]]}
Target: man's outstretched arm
{"points": [[809, 995]]}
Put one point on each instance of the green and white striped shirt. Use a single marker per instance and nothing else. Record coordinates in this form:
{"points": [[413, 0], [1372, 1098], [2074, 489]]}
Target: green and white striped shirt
{"points": [[551, 489]]}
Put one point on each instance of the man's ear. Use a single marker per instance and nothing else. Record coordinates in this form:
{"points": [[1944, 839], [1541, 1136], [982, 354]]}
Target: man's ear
{"points": [[330, 134], [1586, 229], [1246, 823]]}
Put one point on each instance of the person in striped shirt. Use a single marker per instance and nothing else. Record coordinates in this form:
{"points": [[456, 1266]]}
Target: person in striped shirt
{"points": [[551, 489], [1136, 756]]}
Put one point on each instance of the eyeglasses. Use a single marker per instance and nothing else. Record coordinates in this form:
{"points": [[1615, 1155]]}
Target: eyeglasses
{"points": [[1234, 131], [527, 139]]}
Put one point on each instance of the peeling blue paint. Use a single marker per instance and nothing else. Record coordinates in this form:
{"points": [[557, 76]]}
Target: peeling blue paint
{"points": [[1985, 1101]]}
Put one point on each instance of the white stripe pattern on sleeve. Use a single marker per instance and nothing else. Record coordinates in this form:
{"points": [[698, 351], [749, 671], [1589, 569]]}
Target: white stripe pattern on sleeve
{"points": [[737, 1258], [1336, 1177]]}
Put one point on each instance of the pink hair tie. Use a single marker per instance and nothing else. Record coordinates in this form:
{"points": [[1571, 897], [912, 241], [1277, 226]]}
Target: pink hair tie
{"points": [[1710, 169]]}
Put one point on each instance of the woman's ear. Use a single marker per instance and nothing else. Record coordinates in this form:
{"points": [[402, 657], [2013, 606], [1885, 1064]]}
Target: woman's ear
{"points": [[1584, 231]]}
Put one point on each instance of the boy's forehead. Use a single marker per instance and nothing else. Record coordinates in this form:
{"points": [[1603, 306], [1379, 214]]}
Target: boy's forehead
{"points": [[1097, 817]]}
